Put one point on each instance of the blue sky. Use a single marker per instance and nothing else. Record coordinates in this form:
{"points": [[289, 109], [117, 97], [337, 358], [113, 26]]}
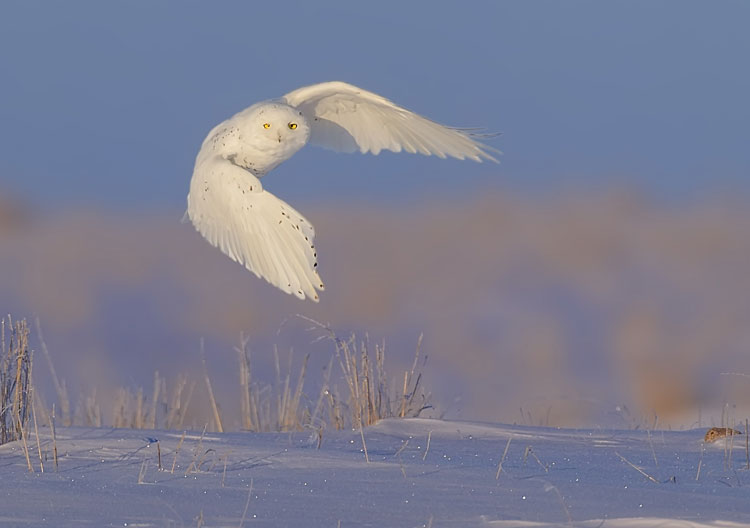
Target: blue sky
{"points": [[104, 104]]}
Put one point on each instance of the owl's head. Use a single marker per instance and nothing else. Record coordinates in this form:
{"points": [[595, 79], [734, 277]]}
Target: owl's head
{"points": [[260, 137], [276, 127]]}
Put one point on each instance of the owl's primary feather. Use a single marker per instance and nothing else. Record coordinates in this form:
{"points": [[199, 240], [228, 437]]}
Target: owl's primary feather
{"points": [[229, 207], [345, 118]]}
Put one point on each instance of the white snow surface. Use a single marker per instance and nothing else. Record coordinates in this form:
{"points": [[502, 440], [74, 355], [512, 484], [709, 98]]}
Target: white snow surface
{"points": [[549, 477]]}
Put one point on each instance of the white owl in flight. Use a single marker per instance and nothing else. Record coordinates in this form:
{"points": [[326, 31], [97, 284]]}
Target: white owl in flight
{"points": [[229, 207]]}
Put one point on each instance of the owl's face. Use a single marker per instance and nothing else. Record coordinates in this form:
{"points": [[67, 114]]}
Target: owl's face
{"points": [[278, 128]]}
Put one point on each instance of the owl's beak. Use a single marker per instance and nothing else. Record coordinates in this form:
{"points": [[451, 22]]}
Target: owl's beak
{"points": [[279, 136]]}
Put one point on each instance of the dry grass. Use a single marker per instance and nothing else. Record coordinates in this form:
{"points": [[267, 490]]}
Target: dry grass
{"points": [[370, 397], [285, 406], [280, 405], [15, 380], [134, 410], [273, 407]]}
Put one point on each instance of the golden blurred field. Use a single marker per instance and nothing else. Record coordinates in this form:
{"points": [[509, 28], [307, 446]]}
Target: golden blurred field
{"points": [[583, 308]]}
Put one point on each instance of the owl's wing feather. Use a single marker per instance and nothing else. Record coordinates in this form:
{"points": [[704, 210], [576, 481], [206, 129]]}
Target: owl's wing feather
{"points": [[230, 208], [346, 118]]}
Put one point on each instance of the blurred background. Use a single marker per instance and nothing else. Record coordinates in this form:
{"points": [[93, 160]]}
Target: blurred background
{"points": [[599, 275]]}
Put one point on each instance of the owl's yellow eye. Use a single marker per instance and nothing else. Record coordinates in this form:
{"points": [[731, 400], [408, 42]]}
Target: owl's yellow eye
{"points": [[292, 125], [266, 125]]}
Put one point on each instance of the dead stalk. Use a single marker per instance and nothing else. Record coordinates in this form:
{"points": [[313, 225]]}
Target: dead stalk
{"points": [[224, 473], [398, 455], [198, 448], [142, 472], [26, 450], [639, 470], [502, 459], [364, 444], [700, 461], [36, 434], [54, 435], [653, 451], [530, 451], [247, 504], [177, 451], [427, 449], [214, 407]]}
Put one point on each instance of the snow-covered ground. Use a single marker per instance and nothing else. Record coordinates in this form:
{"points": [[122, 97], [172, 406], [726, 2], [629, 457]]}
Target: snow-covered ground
{"points": [[420, 473]]}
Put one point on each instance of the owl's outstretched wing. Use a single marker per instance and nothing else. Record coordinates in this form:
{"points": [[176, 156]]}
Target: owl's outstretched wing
{"points": [[346, 118], [230, 208]]}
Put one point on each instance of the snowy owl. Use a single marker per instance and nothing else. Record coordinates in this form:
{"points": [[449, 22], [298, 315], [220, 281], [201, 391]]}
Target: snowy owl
{"points": [[229, 207]]}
